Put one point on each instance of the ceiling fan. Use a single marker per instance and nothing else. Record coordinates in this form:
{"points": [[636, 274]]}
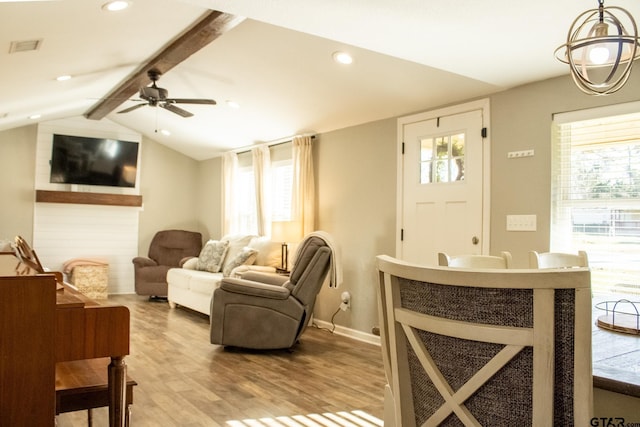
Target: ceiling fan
{"points": [[155, 96]]}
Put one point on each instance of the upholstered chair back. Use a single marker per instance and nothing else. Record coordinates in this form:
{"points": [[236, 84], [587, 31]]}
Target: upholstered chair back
{"points": [[486, 346], [558, 259], [309, 270], [168, 247], [475, 261]]}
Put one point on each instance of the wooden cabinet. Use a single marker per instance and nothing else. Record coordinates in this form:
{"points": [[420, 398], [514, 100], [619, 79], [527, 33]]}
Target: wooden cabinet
{"points": [[27, 362]]}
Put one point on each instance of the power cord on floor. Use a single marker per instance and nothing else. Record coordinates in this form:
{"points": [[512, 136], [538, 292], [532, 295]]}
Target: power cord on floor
{"points": [[333, 325]]}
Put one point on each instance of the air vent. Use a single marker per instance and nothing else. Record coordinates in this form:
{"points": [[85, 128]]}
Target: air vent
{"points": [[25, 45]]}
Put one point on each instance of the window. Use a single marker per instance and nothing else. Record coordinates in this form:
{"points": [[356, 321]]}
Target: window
{"points": [[247, 222], [442, 159], [282, 181], [282, 185], [596, 196]]}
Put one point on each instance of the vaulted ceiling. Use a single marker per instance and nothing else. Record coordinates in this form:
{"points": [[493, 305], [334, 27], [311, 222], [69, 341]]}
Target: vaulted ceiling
{"points": [[274, 59]]}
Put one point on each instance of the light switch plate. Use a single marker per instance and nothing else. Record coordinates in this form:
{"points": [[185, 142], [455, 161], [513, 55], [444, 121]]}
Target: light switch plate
{"points": [[521, 222]]}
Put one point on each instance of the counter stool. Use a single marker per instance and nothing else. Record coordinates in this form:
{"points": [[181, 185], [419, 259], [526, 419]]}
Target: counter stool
{"points": [[83, 384]]}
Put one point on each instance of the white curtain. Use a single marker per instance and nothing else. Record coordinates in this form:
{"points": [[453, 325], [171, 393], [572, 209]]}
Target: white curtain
{"points": [[262, 174], [230, 168], [303, 198]]}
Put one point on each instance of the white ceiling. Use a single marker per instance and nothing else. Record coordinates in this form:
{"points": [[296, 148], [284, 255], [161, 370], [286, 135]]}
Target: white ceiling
{"points": [[409, 56]]}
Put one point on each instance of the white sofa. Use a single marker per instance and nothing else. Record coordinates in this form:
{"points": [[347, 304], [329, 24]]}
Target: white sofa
{"points": [[192, 285]]}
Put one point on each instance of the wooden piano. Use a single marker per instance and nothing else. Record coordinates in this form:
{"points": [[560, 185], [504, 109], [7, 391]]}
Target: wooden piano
{"points": [[44, 321]]}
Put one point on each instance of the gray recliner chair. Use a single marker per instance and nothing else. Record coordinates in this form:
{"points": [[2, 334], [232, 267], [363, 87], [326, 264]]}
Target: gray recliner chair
{"points": [[167, 249], [266, 312]]}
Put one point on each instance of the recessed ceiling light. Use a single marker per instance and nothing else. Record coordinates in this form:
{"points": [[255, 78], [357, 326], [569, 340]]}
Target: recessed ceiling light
{"points": [[233, 104], [342, 58], [165, 132], [63, 78], [35, 116], [116, 5]]}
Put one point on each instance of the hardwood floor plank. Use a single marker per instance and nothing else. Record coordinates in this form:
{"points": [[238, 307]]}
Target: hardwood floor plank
{"points": [[185, 381]]}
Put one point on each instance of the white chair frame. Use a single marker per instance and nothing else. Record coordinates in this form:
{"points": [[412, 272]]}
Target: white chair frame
{"points": [[399, 330], [475, 261], [557, 259]]}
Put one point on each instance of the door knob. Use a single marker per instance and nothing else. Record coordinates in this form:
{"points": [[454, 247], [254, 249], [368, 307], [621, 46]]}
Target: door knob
{"points": [[475, 240]]}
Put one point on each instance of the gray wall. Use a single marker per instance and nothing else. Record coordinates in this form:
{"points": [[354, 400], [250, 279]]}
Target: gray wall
{"points": [[168, 181], [356, 180], [356, 203], [17, 181], [521, 119], [209, 198]]}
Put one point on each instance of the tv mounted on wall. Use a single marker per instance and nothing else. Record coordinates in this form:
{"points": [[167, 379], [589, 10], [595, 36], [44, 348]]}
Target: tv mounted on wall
{"points": [[93, 161]]}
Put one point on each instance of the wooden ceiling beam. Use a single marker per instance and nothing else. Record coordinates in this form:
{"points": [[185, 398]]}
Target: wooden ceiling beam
{"points": [[200, 34]]}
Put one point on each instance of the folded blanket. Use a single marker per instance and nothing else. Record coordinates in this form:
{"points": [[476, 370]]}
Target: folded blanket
{"points": [[69, 265], [335, 267]]}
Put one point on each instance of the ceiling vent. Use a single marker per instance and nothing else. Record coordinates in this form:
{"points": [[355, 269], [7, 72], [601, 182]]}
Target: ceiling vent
{"points": [[25, 45]]}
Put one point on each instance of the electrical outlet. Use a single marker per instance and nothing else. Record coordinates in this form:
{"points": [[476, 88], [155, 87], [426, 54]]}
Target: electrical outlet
{"points": [[346, 301]]}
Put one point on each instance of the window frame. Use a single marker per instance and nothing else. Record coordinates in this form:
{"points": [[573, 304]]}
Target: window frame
{"points": [[610, 270]]}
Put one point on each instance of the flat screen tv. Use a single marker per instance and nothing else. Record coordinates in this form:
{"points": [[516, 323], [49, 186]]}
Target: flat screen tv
{"points": [[93, 161]]}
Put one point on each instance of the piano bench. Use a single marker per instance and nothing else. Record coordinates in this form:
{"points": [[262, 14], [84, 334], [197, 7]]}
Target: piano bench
{"points": [[83, 384]]}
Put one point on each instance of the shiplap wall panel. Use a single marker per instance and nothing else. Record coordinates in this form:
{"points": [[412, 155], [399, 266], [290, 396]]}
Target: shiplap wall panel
{"points": [[66, 231]]}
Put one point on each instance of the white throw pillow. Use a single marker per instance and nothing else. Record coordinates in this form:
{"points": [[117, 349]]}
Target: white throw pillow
{"points": [[212, 255], [246, 256], [236, 245], [191, 264], [269, 252]]}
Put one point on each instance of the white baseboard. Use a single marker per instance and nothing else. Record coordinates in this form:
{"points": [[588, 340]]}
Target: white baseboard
{"points": [[347, 332]]}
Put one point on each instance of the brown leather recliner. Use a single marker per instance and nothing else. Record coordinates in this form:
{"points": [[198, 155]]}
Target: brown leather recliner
{"points": [[167, 249], [266, 311]]}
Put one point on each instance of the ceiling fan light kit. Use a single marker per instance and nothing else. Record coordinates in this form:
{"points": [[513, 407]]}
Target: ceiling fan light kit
{"points": [[599, 49], [155, 96]]}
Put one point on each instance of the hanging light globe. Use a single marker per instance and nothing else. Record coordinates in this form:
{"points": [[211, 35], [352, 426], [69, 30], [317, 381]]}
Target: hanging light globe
{"points": [[599, 49]]}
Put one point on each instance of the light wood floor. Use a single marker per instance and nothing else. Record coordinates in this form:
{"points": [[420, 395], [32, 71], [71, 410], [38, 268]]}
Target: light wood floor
{"points": [[183, 380]]}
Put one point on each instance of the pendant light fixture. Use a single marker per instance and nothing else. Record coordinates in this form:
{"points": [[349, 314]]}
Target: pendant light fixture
{"points": [[599, 50]]}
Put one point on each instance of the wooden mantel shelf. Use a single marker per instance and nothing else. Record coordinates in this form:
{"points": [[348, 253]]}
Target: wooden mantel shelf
{"points": [[75, 197]]}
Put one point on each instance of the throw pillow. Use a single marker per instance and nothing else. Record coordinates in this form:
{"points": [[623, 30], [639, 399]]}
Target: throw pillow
{"points": [[212, 255], [236, 245], [269, 252], [245, 256], [191, 264]]}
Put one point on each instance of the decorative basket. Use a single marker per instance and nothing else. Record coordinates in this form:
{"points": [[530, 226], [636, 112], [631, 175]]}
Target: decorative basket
{"points": [[91, 280]]}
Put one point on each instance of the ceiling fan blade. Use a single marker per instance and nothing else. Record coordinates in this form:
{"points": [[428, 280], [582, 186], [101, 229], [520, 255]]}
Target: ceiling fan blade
{"points": [[135, 107], [174, 109], [190, 101]]}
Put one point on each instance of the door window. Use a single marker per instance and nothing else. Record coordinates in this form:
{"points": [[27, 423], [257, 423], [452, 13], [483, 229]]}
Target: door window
{"points": [[442, 158]]}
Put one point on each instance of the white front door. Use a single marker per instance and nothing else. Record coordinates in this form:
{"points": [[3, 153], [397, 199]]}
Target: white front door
{"points": [[443, 206]]}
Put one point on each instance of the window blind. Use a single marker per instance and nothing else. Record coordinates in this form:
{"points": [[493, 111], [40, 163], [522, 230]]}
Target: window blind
{"points": [[596, 196]]}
